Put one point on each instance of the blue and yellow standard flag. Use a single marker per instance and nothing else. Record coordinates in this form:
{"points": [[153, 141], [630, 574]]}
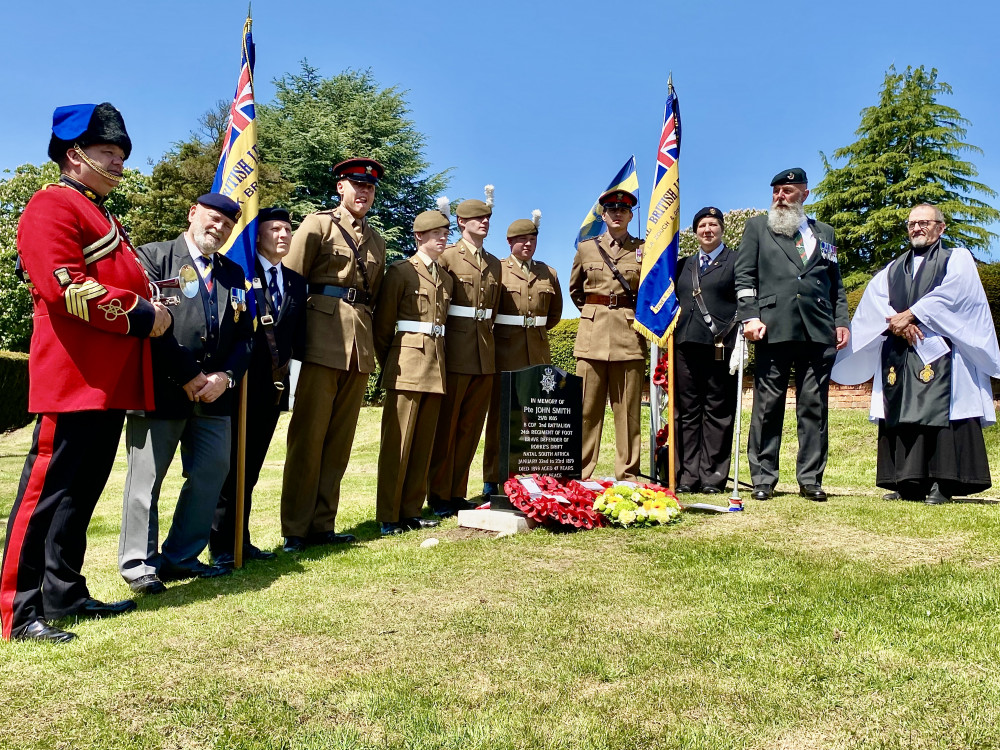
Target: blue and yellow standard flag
{"points": [[238, 171], [657, 309], [627, 180]]}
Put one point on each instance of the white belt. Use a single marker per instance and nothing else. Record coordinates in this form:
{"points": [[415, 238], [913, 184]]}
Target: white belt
{"points": [[462, 311], [415, 326], [525, 321]]}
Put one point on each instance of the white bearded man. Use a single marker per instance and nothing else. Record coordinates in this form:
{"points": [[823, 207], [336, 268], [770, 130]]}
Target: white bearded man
{"points": [[923, 330]]}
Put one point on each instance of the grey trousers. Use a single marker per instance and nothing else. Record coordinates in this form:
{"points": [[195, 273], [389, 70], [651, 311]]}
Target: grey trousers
{"points": [[151, 444]]}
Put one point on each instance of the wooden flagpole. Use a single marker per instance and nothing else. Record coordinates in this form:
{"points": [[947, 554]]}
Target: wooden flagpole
{"points": [[241, 461], [671, 438]]}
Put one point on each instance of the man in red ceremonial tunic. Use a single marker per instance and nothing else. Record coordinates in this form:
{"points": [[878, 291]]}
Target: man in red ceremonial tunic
{"points": [[90, 361]]}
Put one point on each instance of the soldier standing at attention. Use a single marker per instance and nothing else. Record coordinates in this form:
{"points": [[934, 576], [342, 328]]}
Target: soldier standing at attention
{"points": [[342, 259], [475, 276], [610, 353], [409, 340], [530, 304]]}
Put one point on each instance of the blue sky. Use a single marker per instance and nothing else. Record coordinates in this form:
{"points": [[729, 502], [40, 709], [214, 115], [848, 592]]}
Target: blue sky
{"points": [[545, 100]]}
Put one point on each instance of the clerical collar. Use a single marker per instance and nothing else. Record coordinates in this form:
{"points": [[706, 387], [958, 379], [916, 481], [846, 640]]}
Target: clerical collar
{"points": [[922, 251], [86, 192]]}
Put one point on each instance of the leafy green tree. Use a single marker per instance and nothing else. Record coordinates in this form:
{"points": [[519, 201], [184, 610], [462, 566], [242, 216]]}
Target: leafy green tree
{"points": [[316, 122], [187, 171], [733, 222], [15, 192], [908, 151]]}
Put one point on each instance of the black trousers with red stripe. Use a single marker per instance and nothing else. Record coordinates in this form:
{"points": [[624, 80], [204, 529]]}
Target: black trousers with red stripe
{"points": [[71, 457]]}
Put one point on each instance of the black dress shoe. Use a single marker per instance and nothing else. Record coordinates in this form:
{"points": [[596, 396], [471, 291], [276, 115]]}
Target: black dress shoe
{"points": [[936, 496], [294, 544], [419, 523], [491, 488], [813, 491], [442, 510], [40, 630], [684, 489], [709, 489], [147, 584], [761, 492], [198, 570], [391, 529], [331, 537], [98, 609], [256, 553], [460, 503], [225, 559]]}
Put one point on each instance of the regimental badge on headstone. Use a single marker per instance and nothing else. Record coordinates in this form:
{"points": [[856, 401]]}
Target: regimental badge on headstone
{"points": [[549, 380]]}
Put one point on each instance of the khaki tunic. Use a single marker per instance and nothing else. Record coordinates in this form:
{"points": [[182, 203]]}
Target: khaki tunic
{"points": [[338, 356], [610, 353], [413, 373], [338, 333], [471, 364], [535, 292]]}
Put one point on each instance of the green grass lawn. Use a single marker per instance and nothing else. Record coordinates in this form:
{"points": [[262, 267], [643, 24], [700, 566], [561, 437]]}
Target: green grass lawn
{"points": [[858, 623]]}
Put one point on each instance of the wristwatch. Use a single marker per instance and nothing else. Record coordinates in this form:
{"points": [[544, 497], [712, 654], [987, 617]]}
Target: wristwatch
{"points": [[232, 379]]}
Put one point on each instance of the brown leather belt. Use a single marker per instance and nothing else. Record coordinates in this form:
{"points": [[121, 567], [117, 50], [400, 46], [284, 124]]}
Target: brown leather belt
{"points": [[612, 301]]}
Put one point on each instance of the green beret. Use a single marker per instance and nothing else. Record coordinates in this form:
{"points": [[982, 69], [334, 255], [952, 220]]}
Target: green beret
{"points": [[794, 176], [521, 226], [472, 209], [429, 220]]}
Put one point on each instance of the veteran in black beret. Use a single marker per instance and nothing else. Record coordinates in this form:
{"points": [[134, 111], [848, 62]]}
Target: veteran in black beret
{"points": [[280, 301], [342, 258], [704, 341], [793, 307], [610, 353]]}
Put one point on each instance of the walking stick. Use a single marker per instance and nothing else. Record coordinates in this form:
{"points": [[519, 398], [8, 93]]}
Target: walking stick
{"points": [[241, 438], [739, 353]]}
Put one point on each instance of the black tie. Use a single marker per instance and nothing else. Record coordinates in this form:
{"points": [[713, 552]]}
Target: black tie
{"points": [[272, 287]]}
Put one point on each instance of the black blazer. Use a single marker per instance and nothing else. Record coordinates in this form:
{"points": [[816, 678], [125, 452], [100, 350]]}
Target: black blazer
{"points": [[289, 335], [796, 302], [204, 326], [718, 291]]}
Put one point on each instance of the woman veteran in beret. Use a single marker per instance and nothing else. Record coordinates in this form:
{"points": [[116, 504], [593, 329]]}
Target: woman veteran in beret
{"points": [[611, 355], [530, 304], [704, 338], [409, 342]]}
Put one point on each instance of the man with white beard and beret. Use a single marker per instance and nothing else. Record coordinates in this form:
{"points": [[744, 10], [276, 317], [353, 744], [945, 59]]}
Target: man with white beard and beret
{"points": [[924, 331], [791, 300]]}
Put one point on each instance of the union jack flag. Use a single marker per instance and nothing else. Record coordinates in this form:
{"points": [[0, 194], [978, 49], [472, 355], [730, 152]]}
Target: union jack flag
{"points": [[657, 308], [238, 173]]}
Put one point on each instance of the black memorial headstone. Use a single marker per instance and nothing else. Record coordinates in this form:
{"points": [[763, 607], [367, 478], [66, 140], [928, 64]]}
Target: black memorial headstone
{"points": [[541, 425]]}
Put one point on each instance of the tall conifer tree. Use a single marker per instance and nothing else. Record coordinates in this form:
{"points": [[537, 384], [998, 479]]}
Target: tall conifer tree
{"points": [[908, 151]]}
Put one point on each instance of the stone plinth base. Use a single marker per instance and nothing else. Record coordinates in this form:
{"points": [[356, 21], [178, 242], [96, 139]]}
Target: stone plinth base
{"points": [[494, 520]]}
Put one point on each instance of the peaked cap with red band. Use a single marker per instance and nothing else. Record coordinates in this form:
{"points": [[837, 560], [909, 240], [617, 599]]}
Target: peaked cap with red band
{"points": [[359, 170]]}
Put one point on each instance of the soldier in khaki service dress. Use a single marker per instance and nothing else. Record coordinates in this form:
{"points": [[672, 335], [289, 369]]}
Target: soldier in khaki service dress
{"points": [[409, 340], [611, 355], [469, 342], [342, 259], [530, 304]]}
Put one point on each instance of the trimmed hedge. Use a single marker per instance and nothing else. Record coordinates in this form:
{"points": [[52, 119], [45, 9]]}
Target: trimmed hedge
{"points": [[562, 339], [14, 386], [989, 273]]}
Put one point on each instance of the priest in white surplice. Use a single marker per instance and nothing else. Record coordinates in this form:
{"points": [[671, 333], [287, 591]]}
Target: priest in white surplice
{"points": [[924, 331]]}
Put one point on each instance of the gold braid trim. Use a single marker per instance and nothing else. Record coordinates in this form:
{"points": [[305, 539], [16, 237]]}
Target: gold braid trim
{"points": [[78, 295]]}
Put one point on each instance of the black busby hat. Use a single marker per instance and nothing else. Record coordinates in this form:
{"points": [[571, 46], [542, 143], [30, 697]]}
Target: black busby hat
{"points": [[225, 206], [273, 213], [794, 176], [87, 124], [710, 212]]}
